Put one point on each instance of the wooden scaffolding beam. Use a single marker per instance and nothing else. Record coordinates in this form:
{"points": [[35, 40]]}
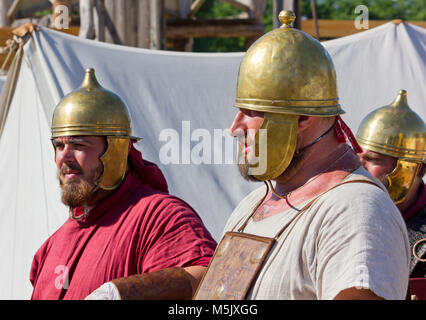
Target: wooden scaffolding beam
{"points": [[214, 28]]}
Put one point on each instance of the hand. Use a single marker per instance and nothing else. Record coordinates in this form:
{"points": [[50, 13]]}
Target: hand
{"points": [[21, 31], [107, 291]]}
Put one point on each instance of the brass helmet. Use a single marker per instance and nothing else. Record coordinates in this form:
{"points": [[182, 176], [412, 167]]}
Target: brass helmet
{"points": [[284, 74], [397, 131], [288, 71], [94, 111]]}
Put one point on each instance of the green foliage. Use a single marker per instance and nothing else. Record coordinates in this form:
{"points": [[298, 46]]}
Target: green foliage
{"points": [[213, 9], [413, 10], [377, 9], [268, 20], [42, 13]]}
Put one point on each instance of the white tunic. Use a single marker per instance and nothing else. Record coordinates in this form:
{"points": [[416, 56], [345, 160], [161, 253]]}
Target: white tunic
{"points": [[352, 236]]}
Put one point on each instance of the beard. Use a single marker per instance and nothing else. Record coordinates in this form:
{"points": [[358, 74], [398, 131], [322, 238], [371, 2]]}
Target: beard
{"points": [[78, 193], [246, 161], [244, 168]]}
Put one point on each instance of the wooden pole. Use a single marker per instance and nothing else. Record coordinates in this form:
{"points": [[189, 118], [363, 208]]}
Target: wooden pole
{"points": [[297, 10], [4, 7], [195, 6], [157, 24], [187, 10], [256, 11], [87, 28], [13, 9], [277, 7], [214, 28], [109, 6], [132, 23], [100, 20], [315, 18], [143, 25], [120, 19], [105, 21]]}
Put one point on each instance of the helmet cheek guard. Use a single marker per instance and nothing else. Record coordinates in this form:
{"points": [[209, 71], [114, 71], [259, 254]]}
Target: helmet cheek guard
{"points": [[401, 179], [276, 142], [114, 161]]}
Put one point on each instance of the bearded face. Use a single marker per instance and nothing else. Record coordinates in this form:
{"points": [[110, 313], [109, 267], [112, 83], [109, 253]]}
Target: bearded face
{"points": [[247, 159], [78, 192], [245, 168], [267, 143], [79, 168], [244, 127]]}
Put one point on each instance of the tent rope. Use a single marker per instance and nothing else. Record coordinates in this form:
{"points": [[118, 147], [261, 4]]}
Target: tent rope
{"points": [[11, 47]]}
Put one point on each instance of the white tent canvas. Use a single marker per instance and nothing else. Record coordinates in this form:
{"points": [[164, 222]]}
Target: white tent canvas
{"points": [[372, 66], [178, 101], [2, 81]]}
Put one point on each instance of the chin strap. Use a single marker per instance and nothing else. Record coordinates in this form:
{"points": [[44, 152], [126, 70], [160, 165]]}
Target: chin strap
{"points": [[342, 132], [316, 140]]}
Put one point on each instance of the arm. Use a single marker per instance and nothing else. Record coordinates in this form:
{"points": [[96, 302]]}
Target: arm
{"points": [[170, 283], [176, 238], [357, 294], [362, 249], [166, 284]]}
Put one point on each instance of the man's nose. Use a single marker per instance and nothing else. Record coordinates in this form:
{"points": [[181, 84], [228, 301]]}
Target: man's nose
{"points": [[238, 126], [64, 155]]}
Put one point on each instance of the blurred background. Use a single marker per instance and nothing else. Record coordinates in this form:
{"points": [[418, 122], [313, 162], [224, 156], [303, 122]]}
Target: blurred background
{"points": [[198, 25]]}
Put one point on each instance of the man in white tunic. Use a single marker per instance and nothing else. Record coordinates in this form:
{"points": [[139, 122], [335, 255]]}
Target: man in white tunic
{"points": [[324, 228]]}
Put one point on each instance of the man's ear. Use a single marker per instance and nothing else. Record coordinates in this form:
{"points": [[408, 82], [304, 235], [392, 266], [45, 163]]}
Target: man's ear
{"points": [[305, 122]]}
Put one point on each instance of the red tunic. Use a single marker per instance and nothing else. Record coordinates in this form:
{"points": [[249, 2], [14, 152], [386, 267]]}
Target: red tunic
{"points": [[137, 229]]}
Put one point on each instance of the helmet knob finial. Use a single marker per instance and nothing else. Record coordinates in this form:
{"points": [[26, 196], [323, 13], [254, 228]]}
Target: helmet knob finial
{"points": [[90, 82], [286, 17], [403, 92], [401, 100]]}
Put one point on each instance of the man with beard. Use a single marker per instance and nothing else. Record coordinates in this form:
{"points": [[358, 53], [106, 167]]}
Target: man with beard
{"points": [[393, 139], [325, 229], [126, 237]]}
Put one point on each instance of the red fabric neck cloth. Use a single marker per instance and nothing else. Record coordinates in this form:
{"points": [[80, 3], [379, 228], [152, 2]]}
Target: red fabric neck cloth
{"points": [[343, 132], [416, 207], [147, 171]]}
